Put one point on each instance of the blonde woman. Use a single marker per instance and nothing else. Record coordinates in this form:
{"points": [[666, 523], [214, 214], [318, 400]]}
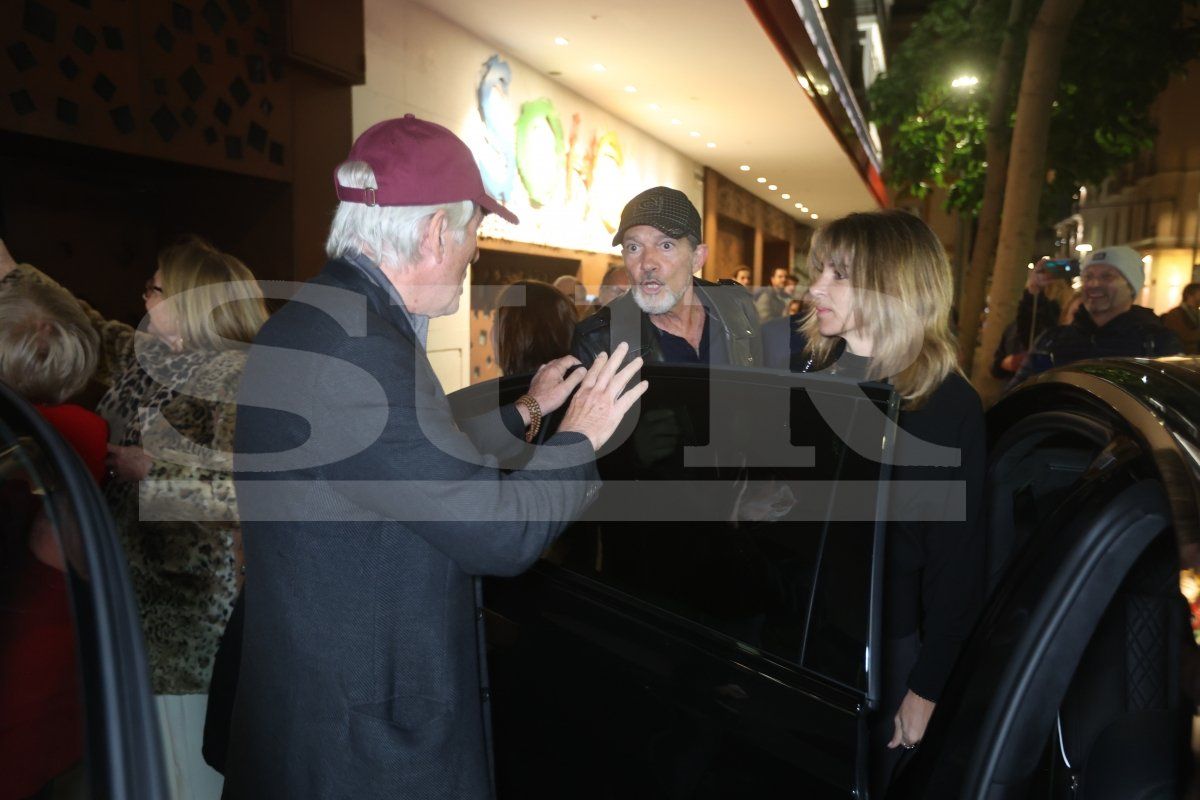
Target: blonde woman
{"points": [[880, 310], [170, 408]]}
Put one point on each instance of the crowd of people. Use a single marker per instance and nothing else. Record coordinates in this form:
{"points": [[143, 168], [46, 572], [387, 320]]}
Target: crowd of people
{"points": [[313, 452]]}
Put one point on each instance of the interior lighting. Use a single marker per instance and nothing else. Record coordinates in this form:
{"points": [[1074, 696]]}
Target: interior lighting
{"points": [[786, 196], [711, 145], [744, 167], [694, 134], [599, 68], [1083, 248], [815, 216], [561, 41], [762, 180], [800, 206], [631, 89], [675, 121], [772, 186], [655, 107], [964, 82], [803, 208], [823, 3]]}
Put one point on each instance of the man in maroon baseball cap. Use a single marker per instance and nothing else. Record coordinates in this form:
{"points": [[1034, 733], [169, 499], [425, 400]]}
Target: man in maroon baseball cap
{"points": [[362, 669]]}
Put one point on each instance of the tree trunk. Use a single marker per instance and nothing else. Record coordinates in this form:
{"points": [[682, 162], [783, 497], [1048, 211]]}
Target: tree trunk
{"points": [[1026, 174], [974, 288]]}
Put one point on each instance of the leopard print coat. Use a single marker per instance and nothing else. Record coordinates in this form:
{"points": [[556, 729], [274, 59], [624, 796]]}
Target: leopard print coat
{"points": [[179, 526]]}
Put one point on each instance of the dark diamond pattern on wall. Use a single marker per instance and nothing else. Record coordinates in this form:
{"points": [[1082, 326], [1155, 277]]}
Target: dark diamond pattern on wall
{"points": [[103, 87], [192, 84], [222, 112], [22, 103], [66, 111], [189, 80], [164, 123], [113, 39], [85, 40], [214, 16], [181, 17], [164, 38], [122, 118], [21, 56], [39, 21]]}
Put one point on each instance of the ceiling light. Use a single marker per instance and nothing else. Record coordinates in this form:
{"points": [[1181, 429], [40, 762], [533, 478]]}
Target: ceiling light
{"points": [[803, 207], [964, 82], [675, 121], [799, 206], [772, 187], [711, 145], [694, 134], [786, 196], [762, 180], [560, 41], [823, 3], [599, 68], [744, 167], [1083, 248], [631, 89], [814, 216], [654, 106]]}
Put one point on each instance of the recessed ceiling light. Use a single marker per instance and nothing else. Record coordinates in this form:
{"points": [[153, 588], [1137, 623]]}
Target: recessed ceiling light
{"points": [[711, 145], [654, 106], [762, 180], [675, 121], [802, 207], [631, 89], [560, 41], [786, 196], [814, 216], [799, 206], [599, 68], [694, 134], [772, 187], [744, 167]]}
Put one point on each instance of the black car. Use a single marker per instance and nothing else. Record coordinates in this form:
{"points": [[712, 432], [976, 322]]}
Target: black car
{"points": [[711, 628]]}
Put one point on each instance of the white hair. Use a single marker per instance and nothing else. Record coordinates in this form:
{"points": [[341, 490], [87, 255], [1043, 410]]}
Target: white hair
{"points": [[389, 234], [48, 348]]}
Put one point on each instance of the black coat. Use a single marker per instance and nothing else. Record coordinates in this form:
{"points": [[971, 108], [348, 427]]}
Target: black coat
{"points": [[1137, 332], [363, 671], [621, 320]]}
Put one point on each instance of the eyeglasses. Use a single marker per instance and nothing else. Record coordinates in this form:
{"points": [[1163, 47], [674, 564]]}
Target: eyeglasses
{"points": [[151, 290]]}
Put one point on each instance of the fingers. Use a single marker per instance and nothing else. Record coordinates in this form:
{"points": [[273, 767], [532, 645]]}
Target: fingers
{"points": [[626, 401], [611, 365], [589, 380], [561, 365], [897, 736], [623, 377]]}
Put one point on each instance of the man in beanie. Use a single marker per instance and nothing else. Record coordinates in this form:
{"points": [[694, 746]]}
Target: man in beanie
{"points": [[1109, 324], [369, 511], [672, 315]]}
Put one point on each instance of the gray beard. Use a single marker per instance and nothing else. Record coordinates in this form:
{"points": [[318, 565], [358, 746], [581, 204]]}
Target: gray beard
{"points": [[664, 302]]}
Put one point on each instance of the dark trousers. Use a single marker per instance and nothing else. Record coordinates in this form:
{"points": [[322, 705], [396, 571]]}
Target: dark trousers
{"points": [[899, 656]]}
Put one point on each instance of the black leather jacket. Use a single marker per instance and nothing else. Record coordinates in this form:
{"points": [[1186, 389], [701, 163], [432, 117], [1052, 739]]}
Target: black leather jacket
{"points": [[622, 321]]}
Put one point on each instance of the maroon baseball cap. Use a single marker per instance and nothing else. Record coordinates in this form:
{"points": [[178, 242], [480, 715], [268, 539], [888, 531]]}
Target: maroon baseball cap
{"points": [[417, 163]]}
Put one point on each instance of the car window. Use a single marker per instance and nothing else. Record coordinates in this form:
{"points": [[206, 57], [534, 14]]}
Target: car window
{"points": [[76, 716], [770, 545]]}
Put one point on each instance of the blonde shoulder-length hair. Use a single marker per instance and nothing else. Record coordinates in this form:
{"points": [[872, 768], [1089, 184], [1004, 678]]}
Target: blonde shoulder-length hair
{"points": [[902, 292], [214, 297]]}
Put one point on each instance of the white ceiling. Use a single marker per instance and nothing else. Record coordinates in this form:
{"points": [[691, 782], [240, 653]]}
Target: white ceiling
{"points": [[707, 63]]}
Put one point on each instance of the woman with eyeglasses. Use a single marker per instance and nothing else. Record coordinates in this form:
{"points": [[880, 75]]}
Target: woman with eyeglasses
{"points": [[170, 406]]}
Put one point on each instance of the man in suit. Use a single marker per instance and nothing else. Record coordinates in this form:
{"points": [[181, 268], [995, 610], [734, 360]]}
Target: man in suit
{"points": [[369, 512], [670, 314]]}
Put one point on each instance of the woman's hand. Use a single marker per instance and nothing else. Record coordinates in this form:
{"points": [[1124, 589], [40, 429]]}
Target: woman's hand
{"points": [[602, 401], [551, 385], [911, 721], [130, 464]]}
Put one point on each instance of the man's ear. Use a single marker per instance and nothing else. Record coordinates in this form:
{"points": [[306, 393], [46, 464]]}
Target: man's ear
{"points": [[699, 256], [433, 238]]}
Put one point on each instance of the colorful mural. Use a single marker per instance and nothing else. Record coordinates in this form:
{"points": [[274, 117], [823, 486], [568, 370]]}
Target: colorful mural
{"points": [[574, 182]]}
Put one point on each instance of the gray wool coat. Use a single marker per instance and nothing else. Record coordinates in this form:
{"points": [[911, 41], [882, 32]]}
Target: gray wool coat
{"points": [[368, 517]]}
